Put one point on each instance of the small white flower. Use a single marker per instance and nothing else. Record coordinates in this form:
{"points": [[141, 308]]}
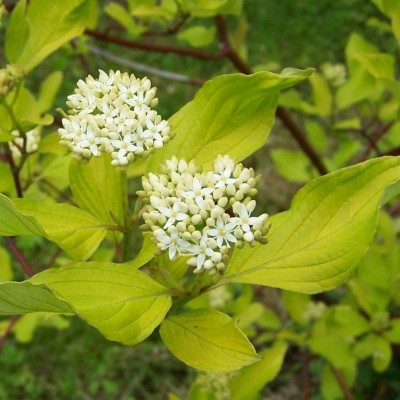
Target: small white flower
{"points": [[173, 214], [173, 243], [224, 178], [222, 232], [244, 220], [202, 250], [197, 192], [124, 146]]}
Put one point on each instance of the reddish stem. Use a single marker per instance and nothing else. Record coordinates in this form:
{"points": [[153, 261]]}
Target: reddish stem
{"points": [[393, 152], [11, 324], [374, 139], [343, 384], [149, 46], [19, 256]]}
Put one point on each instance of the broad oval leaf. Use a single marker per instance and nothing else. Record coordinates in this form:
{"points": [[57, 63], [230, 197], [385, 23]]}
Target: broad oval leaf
{"points": [[232, 114], [76, 231], [41, 27], [25, 297], [13, 223], [316, 245], [124, 304], [207, 340]]}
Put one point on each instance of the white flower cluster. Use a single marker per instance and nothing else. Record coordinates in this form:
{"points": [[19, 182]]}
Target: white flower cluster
{"points": [[335, 73], [114, 114], [28, 145], [202, 214]]}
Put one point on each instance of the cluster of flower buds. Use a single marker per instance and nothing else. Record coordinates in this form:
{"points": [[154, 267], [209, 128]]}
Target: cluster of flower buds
{"points": [[10, 76], [3, 11], [24, 144], [202, 215], [334, 73], [114, 114]]}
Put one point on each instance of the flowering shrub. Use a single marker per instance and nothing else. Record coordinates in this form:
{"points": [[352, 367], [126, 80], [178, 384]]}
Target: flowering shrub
{"points": [[187, 272]]}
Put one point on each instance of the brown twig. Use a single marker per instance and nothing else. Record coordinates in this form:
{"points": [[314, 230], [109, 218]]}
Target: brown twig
{"points": [[227, 48], [307, 384], [15, 171], [393, 152], [281, 113], [373, 141], [52, 259], [8, 330], [18, 255], [171, 30], [149, 46], [301, 139], [343, 384]]}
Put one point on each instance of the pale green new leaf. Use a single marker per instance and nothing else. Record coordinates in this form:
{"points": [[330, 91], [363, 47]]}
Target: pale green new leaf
{"points": [[17, 32], [122, 15], [13, 223], [362, 84], [393, 333], [45, 26], [49, 89], [207, 340], [25, 327], [124, 304], [25, 297], [316, 245], [293, 165], [392, 10], [337, 350], [230, 114], [197, 36], [322, 95], [210, 8], [375, 346], [76, 231], [99, 188], [253, 378], [380, 66], [29, 111]]}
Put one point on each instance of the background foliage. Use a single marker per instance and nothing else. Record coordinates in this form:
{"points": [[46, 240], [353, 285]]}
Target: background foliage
{"points": [[344, 343]]}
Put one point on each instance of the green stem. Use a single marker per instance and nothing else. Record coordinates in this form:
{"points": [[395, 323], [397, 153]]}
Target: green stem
{"points": [[127, 223]]}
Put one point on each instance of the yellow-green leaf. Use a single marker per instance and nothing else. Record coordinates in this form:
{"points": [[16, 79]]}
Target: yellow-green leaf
{"points": [[231, 114], [76, 231], [123, 303], [316, 245], [25, 297], [207, 340], [12, 222]]}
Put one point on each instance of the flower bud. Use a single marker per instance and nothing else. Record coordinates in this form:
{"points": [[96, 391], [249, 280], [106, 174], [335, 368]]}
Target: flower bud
{"points": [[248, 236], [210, 222], [239, 195], [222, 202]]}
